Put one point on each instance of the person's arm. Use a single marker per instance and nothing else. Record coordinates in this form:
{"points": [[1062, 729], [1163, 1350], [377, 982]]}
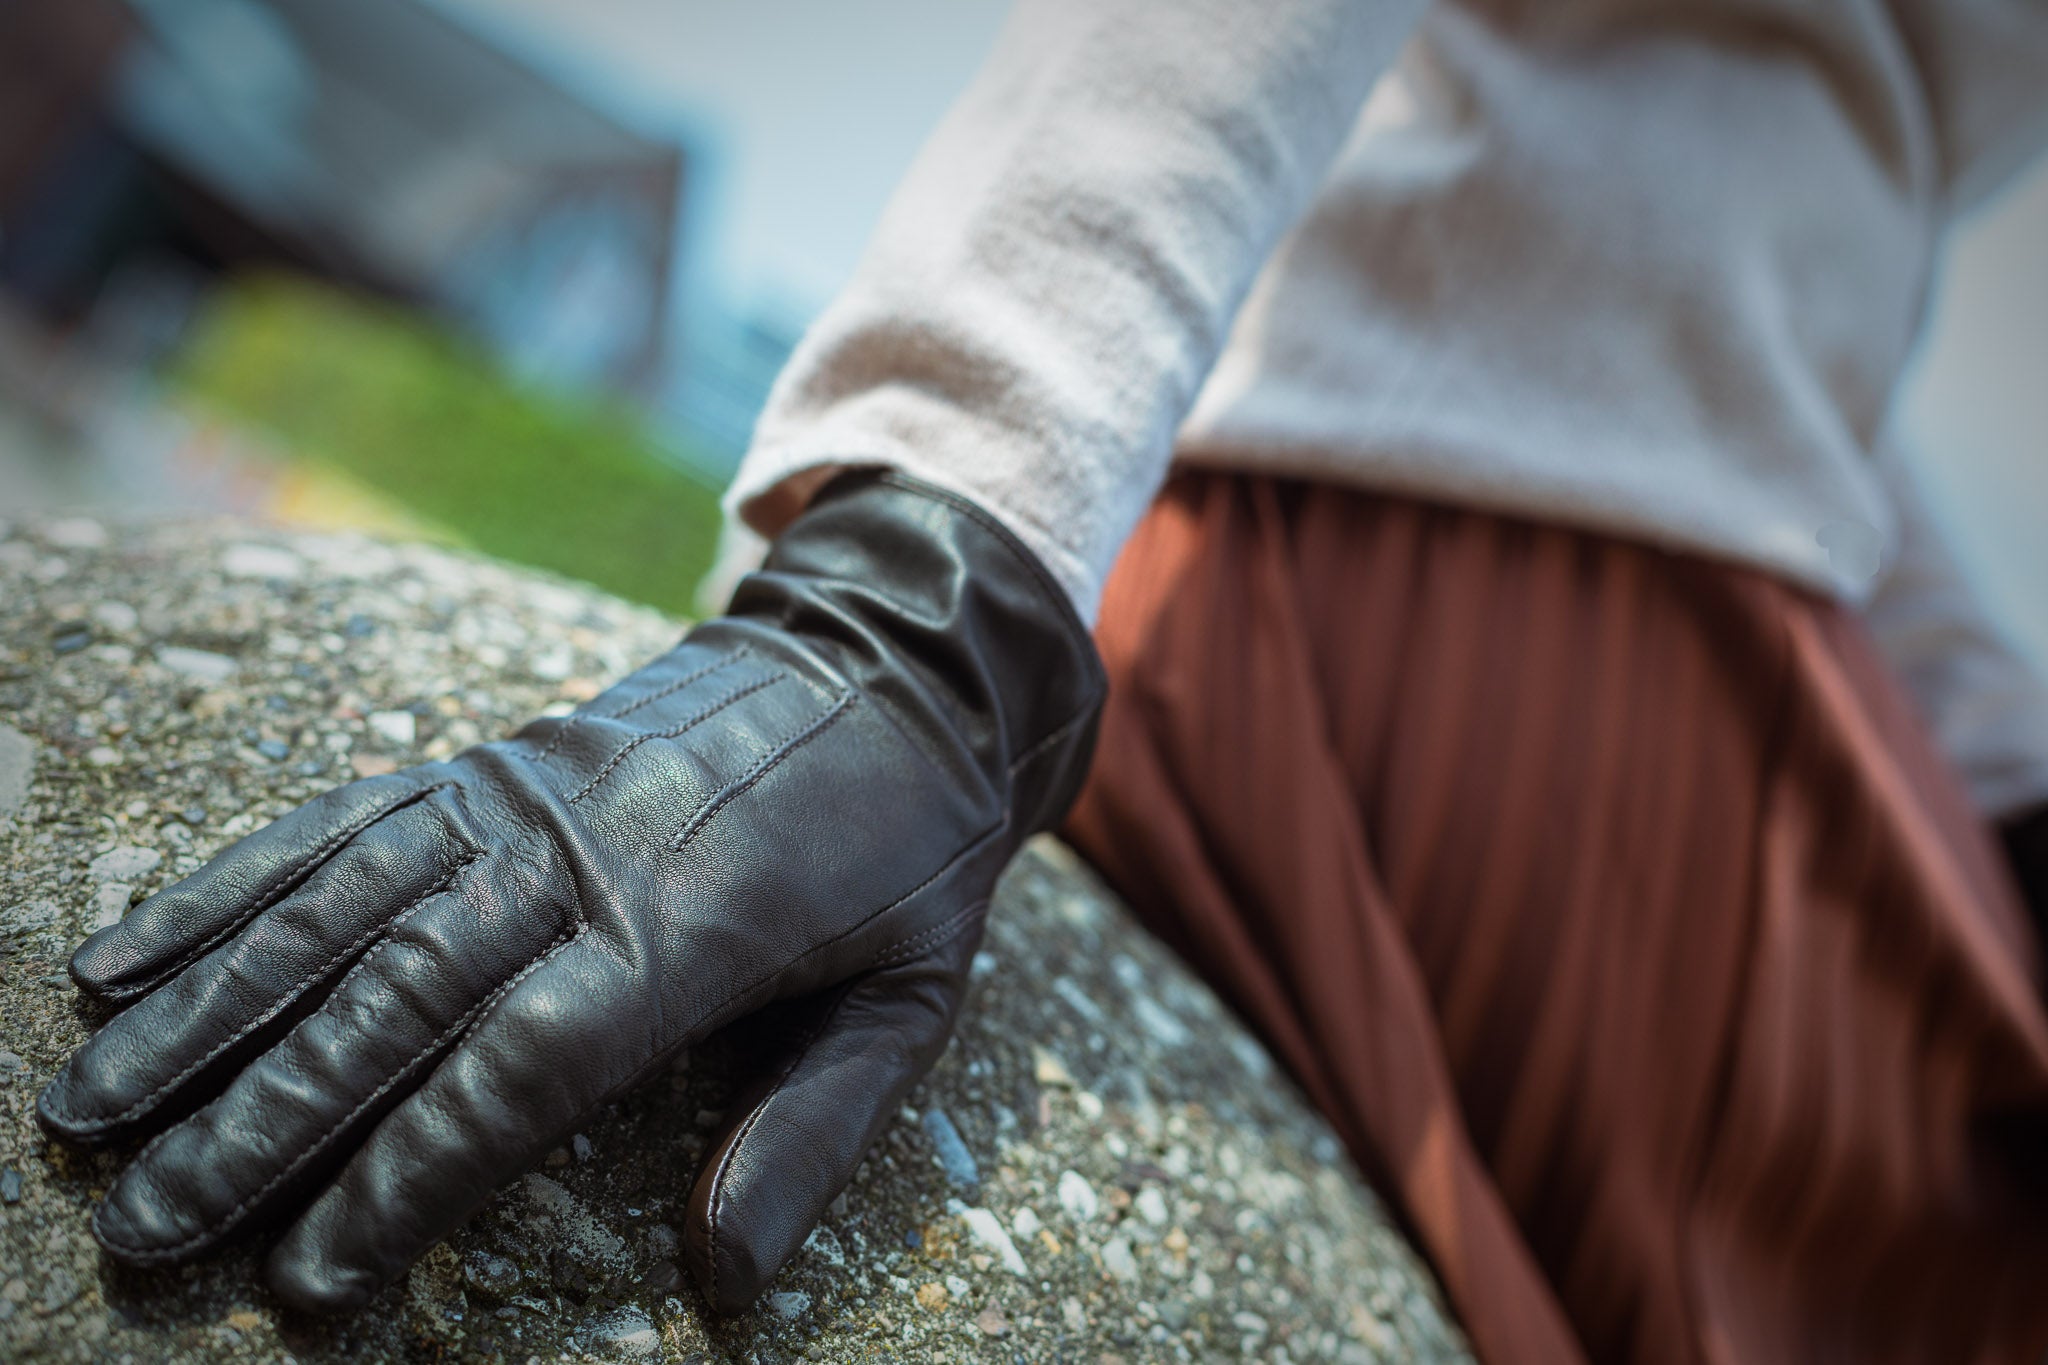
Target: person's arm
{"points": [[361, 1019], [1056, 275], [1979, 65], [1986, 705]]}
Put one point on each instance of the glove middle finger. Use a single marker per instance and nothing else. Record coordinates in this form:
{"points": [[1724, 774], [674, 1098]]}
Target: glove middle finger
{"points": [[297, 1110], [178, 1045]]}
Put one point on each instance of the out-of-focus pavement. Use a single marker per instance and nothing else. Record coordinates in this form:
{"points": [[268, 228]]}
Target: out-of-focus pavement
{"points": [[78, 433]]}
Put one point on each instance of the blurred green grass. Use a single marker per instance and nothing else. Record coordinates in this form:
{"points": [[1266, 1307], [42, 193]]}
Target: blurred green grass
{"points": [[572, 483]]}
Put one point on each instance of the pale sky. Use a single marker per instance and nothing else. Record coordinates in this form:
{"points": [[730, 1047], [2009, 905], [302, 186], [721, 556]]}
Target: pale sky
{"points": [[817, 106]]}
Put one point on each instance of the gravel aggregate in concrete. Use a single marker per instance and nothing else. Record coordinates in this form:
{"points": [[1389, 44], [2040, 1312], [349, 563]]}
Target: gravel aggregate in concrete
{"points": [[1104, 1167]]}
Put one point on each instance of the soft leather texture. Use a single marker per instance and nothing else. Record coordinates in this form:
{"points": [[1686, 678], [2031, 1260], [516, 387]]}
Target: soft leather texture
{"points": [[362, 1019]]}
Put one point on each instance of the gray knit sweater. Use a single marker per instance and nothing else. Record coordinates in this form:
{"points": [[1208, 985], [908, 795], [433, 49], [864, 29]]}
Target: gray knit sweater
{"points": [[1646, 266]]}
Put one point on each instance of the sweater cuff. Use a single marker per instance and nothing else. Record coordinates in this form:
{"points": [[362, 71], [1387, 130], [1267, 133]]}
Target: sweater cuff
{"points": [[775, 483]]}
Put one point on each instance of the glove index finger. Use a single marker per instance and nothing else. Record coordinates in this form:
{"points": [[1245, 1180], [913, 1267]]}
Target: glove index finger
{"points": [[527, 1062], [185, 921]]}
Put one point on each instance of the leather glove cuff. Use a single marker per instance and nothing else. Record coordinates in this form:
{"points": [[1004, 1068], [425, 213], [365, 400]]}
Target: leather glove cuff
{"points": [[931, 607]]}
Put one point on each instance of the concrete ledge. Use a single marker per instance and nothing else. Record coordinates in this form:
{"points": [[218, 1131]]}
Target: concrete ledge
{"points": [[1104, 1167]]}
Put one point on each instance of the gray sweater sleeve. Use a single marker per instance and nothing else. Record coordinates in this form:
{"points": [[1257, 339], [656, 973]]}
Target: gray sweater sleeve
{"points": [[1987, 707], [1054, 278]]}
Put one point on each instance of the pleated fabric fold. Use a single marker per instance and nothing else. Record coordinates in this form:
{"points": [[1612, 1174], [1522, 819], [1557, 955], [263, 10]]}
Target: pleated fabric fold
{"points": [[1614, 906]]}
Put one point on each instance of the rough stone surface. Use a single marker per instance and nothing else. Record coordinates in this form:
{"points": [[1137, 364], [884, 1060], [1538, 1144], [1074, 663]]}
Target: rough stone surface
{"points": [[1103, 1168], [17, 765]]}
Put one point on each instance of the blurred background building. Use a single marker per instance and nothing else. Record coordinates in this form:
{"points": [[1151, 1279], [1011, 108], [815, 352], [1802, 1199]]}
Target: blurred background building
{"points": [[519, 273], [161, 146]]}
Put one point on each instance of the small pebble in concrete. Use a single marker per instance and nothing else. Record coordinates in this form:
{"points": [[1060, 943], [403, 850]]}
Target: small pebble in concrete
{"points": [[110, 903], [1077, 1196], [954, 1158], [1117, 1259], [59, 1290], [1048, 1069], [394, 727], [628, 1332], [1077, 999], [1160, 1022], [200, 665], [987, 1232], [117, 618], [494, 1277], [124, 863], [17, 767], [791, 1303]]}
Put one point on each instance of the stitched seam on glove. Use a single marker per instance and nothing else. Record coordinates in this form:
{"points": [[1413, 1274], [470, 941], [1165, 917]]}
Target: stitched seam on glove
{"points": [[234, 1215], [1052, 737], [300, 872], [931, 939], [969, 847], [142, 1106], [674, 730], [678, 685], [697, 820], [704, 813], [739, 652], [717, 1205], [476, 1014]]}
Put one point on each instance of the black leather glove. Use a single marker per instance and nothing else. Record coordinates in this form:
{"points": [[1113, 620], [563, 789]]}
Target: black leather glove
{"points": [[371, 1013], [2026, 844]]}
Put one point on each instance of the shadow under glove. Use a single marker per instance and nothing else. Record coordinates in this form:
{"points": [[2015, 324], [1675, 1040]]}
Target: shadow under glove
{"points": [[367, 1016]]}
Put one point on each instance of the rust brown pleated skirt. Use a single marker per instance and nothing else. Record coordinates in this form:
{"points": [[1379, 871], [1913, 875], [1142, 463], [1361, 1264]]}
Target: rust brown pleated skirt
{"points": [[1613, 906]]}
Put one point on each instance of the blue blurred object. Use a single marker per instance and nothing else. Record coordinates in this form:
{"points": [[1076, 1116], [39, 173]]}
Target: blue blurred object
{"points": [[947, 1145], [391, 146]]}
